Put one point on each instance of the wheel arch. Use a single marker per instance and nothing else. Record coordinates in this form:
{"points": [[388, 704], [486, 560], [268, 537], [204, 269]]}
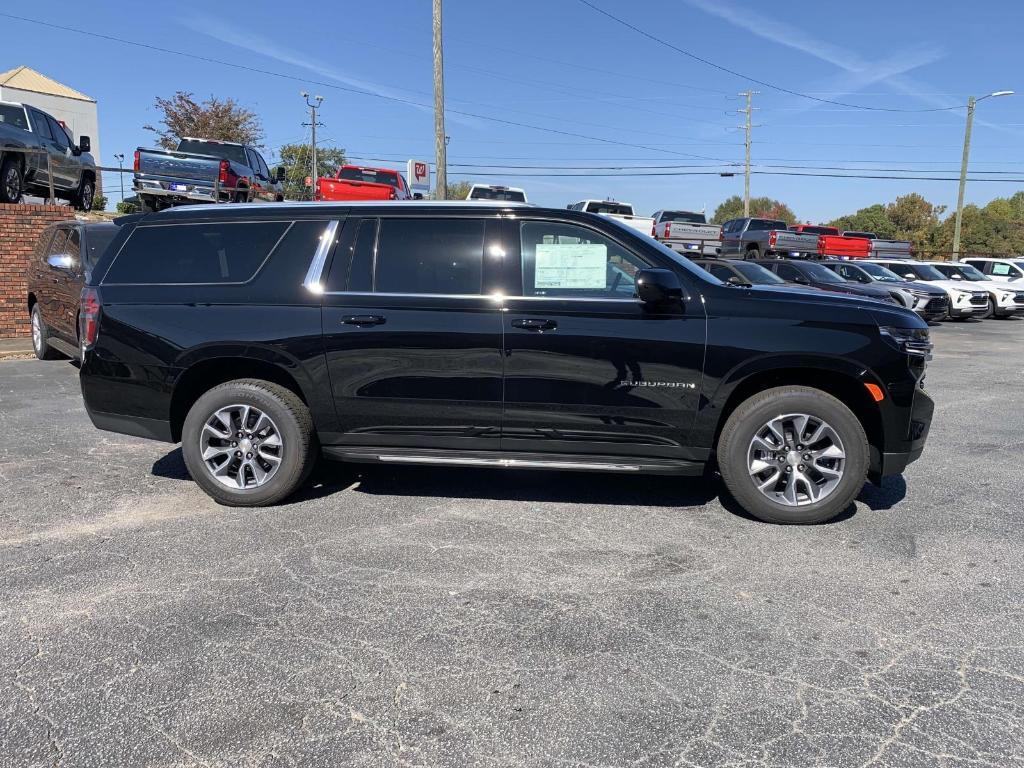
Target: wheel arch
{"points": [[845, 381], [202, 375]]}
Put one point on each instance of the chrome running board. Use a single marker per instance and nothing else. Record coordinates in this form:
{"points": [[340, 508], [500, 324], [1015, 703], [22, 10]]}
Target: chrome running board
{"points": [[465, 461]]}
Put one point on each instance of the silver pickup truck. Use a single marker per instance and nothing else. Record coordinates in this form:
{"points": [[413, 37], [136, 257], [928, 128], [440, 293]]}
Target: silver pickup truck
{"points": [[687, 232], [884, 249], [755, 238], [22, 126], [204, 171]]}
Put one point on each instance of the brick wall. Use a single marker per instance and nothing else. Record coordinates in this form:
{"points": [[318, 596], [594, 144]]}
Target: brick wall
{"points": [[20, 226]]}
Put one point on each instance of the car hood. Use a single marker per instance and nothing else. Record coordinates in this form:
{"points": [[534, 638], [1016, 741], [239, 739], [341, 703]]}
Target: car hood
{"points": [[893, 314], [954, 285]]}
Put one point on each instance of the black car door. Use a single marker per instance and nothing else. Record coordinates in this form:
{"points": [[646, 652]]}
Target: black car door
{"points": [[413, 335], [588, 367], [60, 274]]}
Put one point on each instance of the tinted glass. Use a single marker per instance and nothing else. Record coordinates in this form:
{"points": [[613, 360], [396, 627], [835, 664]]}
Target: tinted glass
{"points": [[196, 253], [878, 272], [442, 256], [97, 240], [868, 235], [819, 230], [58, 133], [42, 125], [59, 244], [1019, 265], [777, 225], [618, 209], [371, 175], [74, 246], [232, 152], [758, 225], [820, 274], [924, 271], [758, 275], [352, 269], [683, 216], [569, 260], [491, 193], [787, 272], [720, 271], [13, 116]]}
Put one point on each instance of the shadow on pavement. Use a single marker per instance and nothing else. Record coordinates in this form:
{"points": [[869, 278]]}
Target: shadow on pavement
{"points": [[892, 491]]}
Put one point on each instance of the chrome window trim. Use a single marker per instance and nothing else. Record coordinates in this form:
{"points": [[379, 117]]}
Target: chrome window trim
{"points": [[491, 296], [315, 273]]}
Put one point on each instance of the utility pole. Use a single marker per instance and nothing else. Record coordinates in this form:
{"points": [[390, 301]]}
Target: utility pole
{"points": [[971, 102], [440, 140], [313, 107], [749, 112]]}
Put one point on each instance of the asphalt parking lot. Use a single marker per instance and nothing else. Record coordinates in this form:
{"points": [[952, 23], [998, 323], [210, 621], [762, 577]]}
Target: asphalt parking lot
{"points": [[455, 617]]}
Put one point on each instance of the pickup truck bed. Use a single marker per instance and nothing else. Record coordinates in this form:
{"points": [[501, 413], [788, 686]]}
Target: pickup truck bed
{"points": [[684, 237]]}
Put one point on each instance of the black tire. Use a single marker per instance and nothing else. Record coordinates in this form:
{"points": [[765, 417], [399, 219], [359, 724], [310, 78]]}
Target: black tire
{"points": [[295, 427], [241, 197], [12, 181], [40, 340], [991, 311], [753, 254], [147, 204], [758, 410], [83, 196]]}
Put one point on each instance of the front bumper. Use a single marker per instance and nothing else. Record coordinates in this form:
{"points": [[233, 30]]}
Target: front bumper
{"points": [[1013, 310], [903, 449]]}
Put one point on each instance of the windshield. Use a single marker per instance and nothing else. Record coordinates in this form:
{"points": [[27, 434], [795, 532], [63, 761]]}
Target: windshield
{"points": [[757, 274], [966, 271], [370, 175], [921, 271], [820, 274], [497, 193], [1020, 264], [880, 273], [619, 209], [664, 250], [683, 216], [233, 152]]}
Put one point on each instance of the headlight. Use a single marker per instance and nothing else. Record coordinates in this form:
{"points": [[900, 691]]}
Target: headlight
{"points": [[910, 341], [1006, 297], [961, 297]]}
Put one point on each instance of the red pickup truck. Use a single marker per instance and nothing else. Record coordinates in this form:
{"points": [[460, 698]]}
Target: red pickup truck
{"points": [[832, 243], [354, 182]]}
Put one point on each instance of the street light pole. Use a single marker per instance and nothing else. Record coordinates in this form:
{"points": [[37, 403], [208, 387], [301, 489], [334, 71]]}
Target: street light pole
{"points": [[971, 103], [120, 176], [313, 107]]}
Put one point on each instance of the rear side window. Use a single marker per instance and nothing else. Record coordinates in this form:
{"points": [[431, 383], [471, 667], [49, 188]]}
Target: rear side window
{"points": [[13, 116], [59, 244], [41, 125], [352, 268], [438, 256], [787, 272], [196, 253]]}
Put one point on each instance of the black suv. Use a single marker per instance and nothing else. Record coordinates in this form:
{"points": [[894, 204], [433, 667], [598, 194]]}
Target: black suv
{"points": [[493, 335]]}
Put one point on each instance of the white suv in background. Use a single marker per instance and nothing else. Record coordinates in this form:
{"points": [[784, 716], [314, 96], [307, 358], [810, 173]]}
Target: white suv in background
{"points": [[496, 192], [1003, 299], [964, 300], [1002, 270]]}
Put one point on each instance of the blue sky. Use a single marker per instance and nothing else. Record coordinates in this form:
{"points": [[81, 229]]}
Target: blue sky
{"points": [[560, 66]]}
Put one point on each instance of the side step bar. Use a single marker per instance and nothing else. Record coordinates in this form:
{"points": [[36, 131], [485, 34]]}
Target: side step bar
{"points": [[507, 460], [64, 348]]}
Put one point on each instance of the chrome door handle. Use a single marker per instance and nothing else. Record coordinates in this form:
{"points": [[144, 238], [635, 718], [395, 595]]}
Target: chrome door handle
{"points": [[532, 324], [362, 320]]}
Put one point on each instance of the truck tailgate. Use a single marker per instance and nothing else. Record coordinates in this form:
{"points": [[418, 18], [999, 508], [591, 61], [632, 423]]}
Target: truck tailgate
{"points": [[891, 249], [643, 224], [691, 232], [346, 189], [850, 247], [178, 165], [794, 241]]}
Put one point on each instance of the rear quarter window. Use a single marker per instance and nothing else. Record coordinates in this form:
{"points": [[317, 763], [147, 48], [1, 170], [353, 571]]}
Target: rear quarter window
{"points": [[195, 254]]}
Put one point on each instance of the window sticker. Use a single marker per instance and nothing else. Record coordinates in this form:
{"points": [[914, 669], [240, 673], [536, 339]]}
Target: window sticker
{"points": [[576, 265]]}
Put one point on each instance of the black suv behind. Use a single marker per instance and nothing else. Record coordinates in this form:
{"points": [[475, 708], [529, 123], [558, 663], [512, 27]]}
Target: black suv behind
{"points": [[494, 335]]}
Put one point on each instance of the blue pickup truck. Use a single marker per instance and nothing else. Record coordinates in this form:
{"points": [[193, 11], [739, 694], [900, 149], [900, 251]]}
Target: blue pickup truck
{"points": [[204, 171]]}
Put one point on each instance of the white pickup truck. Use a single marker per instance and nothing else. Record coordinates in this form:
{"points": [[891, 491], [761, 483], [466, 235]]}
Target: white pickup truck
{"points": [[615, 210], [885, 249], [687, 232]]}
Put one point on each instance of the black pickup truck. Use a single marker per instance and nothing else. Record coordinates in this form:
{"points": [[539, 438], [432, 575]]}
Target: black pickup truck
{"points": [[487, 335]]}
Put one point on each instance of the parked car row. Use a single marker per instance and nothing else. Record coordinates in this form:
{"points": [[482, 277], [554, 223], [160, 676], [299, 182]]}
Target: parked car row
{"points": [[934, 290]]}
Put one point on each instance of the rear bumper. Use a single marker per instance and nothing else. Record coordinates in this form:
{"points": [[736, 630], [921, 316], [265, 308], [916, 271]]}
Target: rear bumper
{"points": [[200, 192]]}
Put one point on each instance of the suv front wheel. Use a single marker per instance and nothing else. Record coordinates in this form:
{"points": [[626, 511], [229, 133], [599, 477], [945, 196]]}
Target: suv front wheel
{"points": [[249, 443], [793, 455]]}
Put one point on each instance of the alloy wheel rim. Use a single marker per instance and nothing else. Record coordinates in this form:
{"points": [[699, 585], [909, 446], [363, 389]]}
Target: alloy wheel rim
{"points": [[87, 196], [241, 447], [796, 459], [37, 332]]}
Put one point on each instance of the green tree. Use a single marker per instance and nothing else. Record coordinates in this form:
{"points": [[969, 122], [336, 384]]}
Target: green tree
{"points": [[219, 119], [297, 161], [459, 190], [762, 207], [915, 219], [874, 218]]}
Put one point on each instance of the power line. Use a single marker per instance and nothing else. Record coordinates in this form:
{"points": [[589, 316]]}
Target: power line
{"points": [[718, 173], [764, 83], [360, 92]]}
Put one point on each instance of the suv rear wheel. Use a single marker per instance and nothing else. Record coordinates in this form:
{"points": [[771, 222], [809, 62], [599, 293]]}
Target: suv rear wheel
{"points": [[40, 337], [10, 180], [793, 455], [249, 443]]}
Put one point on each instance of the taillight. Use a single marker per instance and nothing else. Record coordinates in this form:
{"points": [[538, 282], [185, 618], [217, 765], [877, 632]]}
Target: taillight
{"points": [[654, 229], [668, 229], [135, 162], [821, 244], [88, 317], [721, 233], [773, 238], [224, 165]]}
